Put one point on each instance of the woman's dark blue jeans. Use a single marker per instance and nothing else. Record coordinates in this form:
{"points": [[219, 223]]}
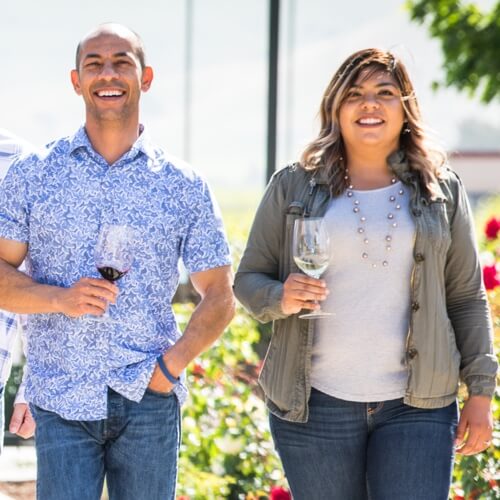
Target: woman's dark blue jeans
{"points": [[358, 451]]}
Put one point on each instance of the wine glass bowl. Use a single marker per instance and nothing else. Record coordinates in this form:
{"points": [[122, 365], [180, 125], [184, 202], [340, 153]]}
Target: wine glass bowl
{"points": [[311, 252], [114, 253]]}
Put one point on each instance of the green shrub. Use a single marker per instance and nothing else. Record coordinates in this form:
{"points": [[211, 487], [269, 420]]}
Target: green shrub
{"points": [[226, 449], [478, 476]]}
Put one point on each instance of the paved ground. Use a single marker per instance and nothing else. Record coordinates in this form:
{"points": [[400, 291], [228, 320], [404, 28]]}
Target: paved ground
{"points": [[17, 491], [17, 473]]}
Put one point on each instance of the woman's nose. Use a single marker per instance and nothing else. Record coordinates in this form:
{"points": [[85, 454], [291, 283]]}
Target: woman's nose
{"points": [[370, 101]]}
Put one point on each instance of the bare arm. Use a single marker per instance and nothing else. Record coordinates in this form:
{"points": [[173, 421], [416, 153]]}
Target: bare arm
{"points": [[20, 294], [211, 316]]}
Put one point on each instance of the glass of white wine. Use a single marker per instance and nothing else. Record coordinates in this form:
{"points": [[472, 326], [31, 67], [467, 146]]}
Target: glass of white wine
{"points": [[311, 252]]}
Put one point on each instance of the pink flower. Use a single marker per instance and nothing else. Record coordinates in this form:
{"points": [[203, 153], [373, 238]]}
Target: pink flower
{"points": [[492, 228], [491, 277], [279, 493]]}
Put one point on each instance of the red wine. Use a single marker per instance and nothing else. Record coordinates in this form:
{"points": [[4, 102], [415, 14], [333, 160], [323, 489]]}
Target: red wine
{"points": [[110, 273]]}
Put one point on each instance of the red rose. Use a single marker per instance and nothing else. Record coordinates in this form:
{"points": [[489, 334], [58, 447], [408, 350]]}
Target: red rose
{"points": [[279, 493], [490, 277], [197, 370], [492, 228]]}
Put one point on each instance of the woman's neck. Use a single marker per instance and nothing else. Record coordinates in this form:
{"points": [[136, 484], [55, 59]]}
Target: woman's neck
{"points": [[368, 171]]}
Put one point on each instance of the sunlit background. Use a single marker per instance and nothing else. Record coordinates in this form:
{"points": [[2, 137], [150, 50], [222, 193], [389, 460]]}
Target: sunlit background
{"points": [[209, 99]]}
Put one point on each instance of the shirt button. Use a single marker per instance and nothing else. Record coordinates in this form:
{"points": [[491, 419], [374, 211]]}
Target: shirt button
{"points": [[412, 353], [415, 306], [419, 257], [417, 212]]}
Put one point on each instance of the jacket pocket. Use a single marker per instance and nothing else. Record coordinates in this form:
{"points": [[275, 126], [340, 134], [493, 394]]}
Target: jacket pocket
{"points": [[438, 226], [279, 377]]}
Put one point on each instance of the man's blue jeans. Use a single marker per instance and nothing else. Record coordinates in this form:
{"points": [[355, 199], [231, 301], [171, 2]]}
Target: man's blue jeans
{"points": [[135, 448], [356, 451]]}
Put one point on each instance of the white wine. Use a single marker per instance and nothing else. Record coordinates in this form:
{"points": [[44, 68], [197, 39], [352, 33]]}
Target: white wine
{"points": [[314, 265]]}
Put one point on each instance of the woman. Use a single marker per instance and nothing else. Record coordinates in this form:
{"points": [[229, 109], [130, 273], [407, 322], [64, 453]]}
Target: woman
{"points": [[363, 403]]}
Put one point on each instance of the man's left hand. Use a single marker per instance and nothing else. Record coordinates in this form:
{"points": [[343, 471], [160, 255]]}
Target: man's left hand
{"points": [[159, 382], [22, 422]]}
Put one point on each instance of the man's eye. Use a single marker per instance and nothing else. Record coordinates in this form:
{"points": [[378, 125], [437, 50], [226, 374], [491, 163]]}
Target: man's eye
{"points": [[93, 64]]}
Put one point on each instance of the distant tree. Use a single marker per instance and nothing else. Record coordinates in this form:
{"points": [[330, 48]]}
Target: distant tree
{"points": [[470, 41]]}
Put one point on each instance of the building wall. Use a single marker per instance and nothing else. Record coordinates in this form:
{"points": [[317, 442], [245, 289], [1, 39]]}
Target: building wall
{"points": [[480, 172]]}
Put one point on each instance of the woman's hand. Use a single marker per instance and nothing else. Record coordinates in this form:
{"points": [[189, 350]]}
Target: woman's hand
{"points": [[475, 427], [299, 292]]}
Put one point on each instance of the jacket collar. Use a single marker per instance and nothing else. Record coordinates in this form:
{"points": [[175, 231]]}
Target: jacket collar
{"points": [[400, 166]]}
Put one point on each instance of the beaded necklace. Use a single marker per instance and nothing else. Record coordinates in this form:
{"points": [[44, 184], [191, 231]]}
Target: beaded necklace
{"points": [[394, 206]]}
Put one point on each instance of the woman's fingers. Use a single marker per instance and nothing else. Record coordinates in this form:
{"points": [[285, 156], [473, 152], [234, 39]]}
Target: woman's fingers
{"points": [[301, 292]]}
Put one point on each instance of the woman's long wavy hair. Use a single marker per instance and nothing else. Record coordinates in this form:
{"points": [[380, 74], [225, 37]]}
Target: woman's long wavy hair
{"points": [[327, 150]]}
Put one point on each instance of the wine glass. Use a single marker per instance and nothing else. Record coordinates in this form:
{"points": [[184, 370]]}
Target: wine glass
{"points": [[311, 252], [114, 252]]}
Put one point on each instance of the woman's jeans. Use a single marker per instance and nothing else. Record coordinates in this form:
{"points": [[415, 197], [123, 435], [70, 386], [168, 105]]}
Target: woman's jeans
{"points": [[356, 451], [135, 448]]}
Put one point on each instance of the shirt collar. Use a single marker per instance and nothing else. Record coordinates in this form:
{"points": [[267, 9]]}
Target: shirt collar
{"points": [[143, 144]]}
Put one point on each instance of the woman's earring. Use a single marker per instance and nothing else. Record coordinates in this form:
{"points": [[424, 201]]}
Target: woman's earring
{"points": [[406, 129]]}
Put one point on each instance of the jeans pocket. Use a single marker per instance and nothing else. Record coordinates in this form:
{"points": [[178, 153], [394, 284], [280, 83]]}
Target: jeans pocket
{"points": [[159, 394]]}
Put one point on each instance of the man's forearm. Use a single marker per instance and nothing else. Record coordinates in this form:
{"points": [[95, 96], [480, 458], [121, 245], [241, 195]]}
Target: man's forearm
{"points": [[207, 322], [20, 294]]}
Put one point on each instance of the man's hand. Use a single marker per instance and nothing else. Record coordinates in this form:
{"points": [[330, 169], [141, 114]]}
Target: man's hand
{"points": [[300, 292], [86, 296], [159, 382], [475, 427], [22, 422]]}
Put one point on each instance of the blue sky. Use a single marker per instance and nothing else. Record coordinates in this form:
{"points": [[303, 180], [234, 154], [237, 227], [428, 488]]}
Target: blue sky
{"points": [[38, 40]]}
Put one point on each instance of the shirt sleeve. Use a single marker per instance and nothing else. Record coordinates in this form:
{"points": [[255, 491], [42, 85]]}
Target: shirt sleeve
{"points": [[14, 221], [205, 245]]}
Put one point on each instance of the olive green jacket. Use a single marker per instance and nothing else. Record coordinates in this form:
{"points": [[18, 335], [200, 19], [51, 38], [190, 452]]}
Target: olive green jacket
{"points": [[450, 333]]}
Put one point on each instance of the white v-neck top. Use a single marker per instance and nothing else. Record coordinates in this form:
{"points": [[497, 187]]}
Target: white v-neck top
{"points": [[358, 353]]}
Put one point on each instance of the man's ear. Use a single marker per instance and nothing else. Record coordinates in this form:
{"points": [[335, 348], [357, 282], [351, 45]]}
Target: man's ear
{"points": [[75, 80], [147, 78]]}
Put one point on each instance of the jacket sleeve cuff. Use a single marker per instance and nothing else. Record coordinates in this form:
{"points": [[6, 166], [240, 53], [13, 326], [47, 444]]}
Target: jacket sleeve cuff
{"points": [[481, 385], [20, 395], [22, 386], [273, 309]]}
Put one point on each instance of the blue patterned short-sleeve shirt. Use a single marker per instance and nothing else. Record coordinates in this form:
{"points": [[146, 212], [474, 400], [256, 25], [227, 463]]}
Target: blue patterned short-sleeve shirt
{"points": [[57, 203]]}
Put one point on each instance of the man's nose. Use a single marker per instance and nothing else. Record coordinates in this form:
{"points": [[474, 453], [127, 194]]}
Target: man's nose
{"points": [[108, 71]]}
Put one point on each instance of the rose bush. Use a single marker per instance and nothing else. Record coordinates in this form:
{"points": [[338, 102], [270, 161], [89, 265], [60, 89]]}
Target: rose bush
{"points": [[478, 477]]}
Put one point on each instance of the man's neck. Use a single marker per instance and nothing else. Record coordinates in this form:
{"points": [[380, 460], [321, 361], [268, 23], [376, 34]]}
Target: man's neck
{"points": [[112, 139]]}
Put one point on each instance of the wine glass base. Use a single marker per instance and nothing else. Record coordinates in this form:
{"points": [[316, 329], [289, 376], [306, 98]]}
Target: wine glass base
{"points": [[316, 315]]}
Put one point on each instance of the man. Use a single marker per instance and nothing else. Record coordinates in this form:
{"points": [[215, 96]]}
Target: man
{"points": [[21, 422], [105, 394]]}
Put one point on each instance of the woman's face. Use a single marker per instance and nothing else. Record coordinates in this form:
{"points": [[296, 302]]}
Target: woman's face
{"points": [[372, 113]]}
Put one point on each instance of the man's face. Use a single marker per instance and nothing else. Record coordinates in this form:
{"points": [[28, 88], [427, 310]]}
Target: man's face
{"points": [[110, 78]]}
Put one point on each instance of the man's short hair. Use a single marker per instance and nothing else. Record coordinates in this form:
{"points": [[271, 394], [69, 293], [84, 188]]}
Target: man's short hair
{"points": [[114, 29]]}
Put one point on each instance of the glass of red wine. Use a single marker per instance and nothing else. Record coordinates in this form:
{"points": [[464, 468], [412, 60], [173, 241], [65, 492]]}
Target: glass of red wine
{"points": [[114, 253]]}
